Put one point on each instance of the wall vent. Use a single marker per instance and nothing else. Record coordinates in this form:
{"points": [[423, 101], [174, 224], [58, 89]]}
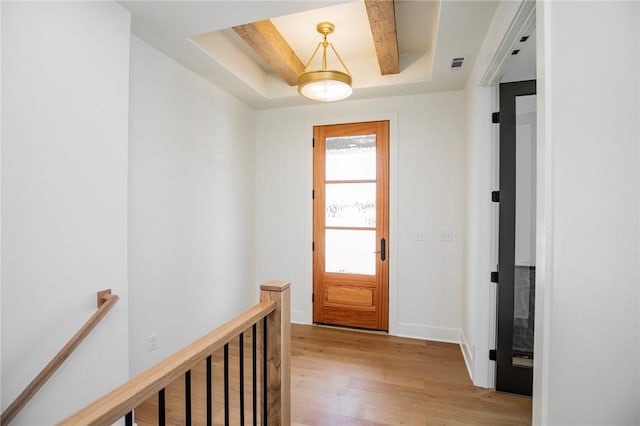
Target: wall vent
{"points": [[456, 63]]}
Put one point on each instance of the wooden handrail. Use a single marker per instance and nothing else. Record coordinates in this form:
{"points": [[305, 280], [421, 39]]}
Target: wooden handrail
{"points": [[128, 396], [106, 300]]}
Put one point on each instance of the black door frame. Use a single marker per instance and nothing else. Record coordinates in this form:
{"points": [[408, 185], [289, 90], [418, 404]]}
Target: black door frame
{"points": [[509, 378]]}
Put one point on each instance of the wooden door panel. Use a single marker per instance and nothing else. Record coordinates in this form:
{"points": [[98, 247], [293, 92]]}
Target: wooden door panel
{"points": [[339, 316], [351, 296]]}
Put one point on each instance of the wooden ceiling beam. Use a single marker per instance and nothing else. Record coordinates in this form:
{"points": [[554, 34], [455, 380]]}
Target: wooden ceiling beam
{"points": [[382, 20], [267, 41]]}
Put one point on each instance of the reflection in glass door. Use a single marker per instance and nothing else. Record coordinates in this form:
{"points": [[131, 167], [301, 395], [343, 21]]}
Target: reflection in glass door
{"points": [[524, 273], [350, 225]]}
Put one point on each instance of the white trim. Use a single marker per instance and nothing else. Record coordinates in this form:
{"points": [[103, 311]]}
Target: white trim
{"points": [[425, 332], [1, 351], [493, 241], [522, 25], [467, 355], [544, 219]]}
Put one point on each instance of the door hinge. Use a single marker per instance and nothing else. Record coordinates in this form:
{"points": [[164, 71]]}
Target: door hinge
{"points": [[495, 117], [494, 277], [313, 297], [493, 355], [313, 142], [313, 246], [495, 196], [313, 194]]}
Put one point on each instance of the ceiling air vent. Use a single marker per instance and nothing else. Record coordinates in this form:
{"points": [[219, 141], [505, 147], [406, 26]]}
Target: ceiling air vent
{"points": [[456, 63]]}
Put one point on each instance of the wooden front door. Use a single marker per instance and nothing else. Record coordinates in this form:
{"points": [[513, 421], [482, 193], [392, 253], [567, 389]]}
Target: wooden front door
{"points": [[351, 225]]}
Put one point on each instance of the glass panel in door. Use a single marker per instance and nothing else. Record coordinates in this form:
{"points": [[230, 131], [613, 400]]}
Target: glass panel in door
{"points": [[351, 158], [349, 251], [525, 231], [350, 204]]}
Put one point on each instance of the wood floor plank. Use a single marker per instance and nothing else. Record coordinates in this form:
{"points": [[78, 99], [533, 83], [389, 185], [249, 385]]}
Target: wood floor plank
{"points": [[347, 377]]}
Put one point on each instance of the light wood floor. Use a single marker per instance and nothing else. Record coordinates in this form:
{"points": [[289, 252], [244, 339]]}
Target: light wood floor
{"points": [[342, 377]]}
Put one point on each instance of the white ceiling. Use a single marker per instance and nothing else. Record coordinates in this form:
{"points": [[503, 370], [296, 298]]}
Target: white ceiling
{"points": [[198, 35]]}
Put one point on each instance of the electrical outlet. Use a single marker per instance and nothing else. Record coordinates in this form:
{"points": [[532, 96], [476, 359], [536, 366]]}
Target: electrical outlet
{"points": [[446, 236], [152, 342], [421, 235]]}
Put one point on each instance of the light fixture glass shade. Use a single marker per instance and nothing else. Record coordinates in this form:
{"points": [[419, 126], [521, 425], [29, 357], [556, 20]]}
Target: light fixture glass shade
{"points": [[325, 85]]}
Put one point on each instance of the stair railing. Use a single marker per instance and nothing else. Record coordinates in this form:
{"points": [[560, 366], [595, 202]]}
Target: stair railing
{"points": [[105, 301], [273, 315]]}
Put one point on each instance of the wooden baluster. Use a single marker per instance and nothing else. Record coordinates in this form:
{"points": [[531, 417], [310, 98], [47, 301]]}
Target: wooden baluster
{"points": [[227, 421], [254, 372], [241, 373], [209, 385], [278, 352]]}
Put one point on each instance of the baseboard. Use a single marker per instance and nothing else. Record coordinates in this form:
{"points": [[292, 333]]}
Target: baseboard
{"points": [[467, 355], [418, 331]]}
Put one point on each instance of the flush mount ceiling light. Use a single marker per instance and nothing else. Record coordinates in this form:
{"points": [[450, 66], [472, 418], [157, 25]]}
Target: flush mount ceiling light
{"points": [[325, 85]]}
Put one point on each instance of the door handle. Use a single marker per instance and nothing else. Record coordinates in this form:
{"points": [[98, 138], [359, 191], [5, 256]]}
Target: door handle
{"points": [[383, 249]]}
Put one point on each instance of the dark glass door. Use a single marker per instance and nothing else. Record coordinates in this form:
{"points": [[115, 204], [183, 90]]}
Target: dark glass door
{"points": [[517, 238]]}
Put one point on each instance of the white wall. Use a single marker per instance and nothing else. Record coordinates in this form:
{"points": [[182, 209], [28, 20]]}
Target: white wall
{"points": [[191, 206], [480, 256], [0, 203], [587, 347], [64, 195], [478, 291], [427, 193]]}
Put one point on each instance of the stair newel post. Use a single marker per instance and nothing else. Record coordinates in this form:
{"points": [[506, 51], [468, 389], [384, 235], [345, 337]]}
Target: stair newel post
{"points": [[278, 352]]}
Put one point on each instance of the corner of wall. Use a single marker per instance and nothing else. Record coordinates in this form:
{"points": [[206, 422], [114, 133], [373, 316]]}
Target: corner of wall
{"points": [[424, 332], [479, 325], [300, 317], [191, 210], [467, 354]]}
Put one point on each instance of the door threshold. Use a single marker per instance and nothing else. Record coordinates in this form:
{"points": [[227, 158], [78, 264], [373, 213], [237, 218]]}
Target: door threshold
{"points": [[347, 327]]}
